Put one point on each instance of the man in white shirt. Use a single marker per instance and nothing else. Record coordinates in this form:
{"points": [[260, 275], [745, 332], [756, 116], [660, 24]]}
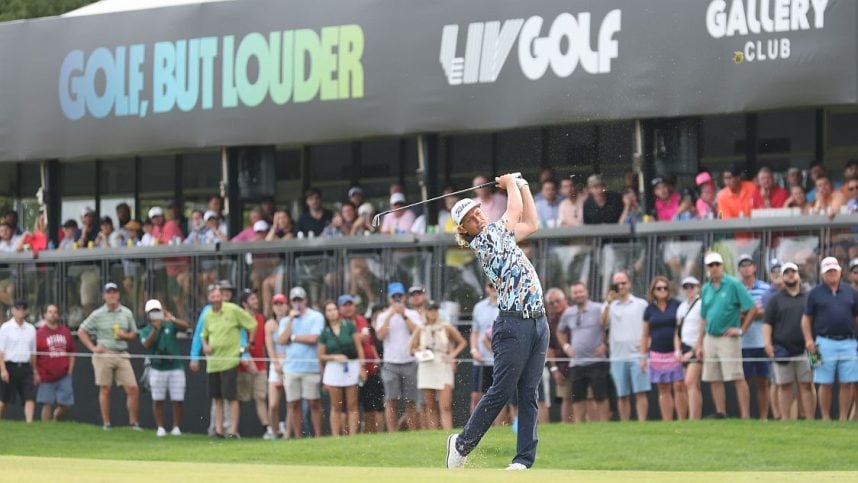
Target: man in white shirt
{"points": [[622, 315], [399, 371], [18, 373]]}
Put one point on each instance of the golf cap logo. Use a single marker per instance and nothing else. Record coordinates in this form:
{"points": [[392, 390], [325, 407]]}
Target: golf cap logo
{"points": [[461, 208]]}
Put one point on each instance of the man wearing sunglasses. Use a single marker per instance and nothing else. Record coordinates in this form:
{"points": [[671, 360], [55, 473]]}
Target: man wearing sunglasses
{"points": [[723, 302], [756, 368], [785, 344]]}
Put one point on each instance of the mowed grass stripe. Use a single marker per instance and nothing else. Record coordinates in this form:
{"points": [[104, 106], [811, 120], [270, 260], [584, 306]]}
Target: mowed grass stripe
{"points": [[26, 469], [727, 445]]}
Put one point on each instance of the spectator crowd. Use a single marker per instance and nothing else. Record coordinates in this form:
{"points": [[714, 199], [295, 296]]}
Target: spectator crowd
{"points": [[559, 202], [790, 343]]}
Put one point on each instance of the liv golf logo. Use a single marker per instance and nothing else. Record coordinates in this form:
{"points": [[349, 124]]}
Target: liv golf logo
{"points": [[563, 47]]}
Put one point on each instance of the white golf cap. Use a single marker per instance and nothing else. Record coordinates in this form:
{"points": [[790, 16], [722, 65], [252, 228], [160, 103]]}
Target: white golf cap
{"points": [[208, 215], [690, 281], [260, 225], [155, 211], [87, 210], [788, 266], [829, 263], [712, 257], [152, 305], [297, 293], [853, 263], [397, 198], [461, 208]]}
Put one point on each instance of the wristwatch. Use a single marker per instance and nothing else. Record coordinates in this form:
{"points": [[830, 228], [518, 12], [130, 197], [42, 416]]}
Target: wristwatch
{"points": [[292, 339]]}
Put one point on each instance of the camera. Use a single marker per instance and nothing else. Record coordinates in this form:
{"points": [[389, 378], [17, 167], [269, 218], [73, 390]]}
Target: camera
{"points": [[614, 287], [156, 315], [397, 297]]}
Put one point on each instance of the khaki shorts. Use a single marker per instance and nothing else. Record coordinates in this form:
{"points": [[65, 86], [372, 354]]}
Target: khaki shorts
{"points": [[722, 358], [792, 371], [252, 385], [113, 367], [302, 385]]}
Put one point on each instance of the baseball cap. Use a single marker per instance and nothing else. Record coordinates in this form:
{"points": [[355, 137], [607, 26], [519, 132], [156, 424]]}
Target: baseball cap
{"points": [[297, 293], [712, 257], [209, 214], [432, 305], [461, 208], [260, 225], [416, 288], [345, 299], [396, 198], [155, 211], [355, 190], [87, 210], [702, 178], [595, 180], [788, 266], [736, 169], [152, 305], [744, 258], [110, 286], [690, 281], [853, 263], [278, 299], [774, 265], [226, 284], [656, 181], [395, 288], [829, 263]]}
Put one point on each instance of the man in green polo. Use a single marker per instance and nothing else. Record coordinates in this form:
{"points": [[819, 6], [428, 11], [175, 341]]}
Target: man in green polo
{"points": [[221, 337], [113, 326], [167, 371], [723, 302]]}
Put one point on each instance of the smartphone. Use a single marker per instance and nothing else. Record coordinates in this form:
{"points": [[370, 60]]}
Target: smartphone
{"points": [[156, 315], [614, 287], [397, 298]]}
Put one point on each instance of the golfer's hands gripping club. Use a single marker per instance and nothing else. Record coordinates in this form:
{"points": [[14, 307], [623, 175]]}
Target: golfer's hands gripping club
{"points": [[505, 180]]}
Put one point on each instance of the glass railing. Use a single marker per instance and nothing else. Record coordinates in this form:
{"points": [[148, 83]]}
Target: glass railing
{"points": [[362, 266]]}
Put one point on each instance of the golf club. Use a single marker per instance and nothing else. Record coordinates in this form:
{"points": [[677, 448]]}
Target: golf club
{"points": [[376, 220]]}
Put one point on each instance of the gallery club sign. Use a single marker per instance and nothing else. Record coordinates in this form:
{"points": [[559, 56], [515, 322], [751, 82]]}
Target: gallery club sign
{"points": [[562, 45], [765, 23]]}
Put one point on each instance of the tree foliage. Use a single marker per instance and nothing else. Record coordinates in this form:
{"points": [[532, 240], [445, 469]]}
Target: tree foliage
{"points": [[21, 9]]}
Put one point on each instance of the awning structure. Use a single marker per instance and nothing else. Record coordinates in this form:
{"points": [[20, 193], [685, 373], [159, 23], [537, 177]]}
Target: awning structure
{"points": [[112, 6], [298, 71]]}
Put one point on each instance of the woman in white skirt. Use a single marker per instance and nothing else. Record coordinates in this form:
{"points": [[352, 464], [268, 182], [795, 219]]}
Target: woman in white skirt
{"points": [[436, 358], [341, 351]]}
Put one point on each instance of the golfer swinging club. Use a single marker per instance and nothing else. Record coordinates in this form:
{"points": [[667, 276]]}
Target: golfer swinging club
{"points": [[520, 333]]}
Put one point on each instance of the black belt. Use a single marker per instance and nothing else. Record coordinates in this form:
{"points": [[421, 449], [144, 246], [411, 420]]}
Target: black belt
{"points": [[524, 314], [18, 364], [838, 337]]}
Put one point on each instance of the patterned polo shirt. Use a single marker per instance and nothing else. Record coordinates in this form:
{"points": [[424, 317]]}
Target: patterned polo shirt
{"points": [[508, 268]]}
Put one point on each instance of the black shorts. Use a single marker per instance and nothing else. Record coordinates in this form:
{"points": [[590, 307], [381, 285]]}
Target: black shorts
{"points": [[593, 376], [372, 394], [20, 383], [224, 384], [685, 348], [481, 378]]}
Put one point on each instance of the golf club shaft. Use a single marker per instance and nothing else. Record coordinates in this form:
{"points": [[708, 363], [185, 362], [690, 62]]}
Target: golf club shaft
{"points": [[377, 219]]}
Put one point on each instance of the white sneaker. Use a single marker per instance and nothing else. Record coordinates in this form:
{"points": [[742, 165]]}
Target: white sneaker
{"points": [[516, 467], [176, 431], [455, 460], [161, 432], [281, 427], [269, 435]]}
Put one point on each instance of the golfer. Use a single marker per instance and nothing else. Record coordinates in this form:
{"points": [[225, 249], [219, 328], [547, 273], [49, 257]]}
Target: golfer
{"points": [[520, 333]]}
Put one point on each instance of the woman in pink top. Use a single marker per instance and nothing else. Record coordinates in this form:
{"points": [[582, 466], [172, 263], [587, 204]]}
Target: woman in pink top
{"points": [[706, 207], [666, 199]]}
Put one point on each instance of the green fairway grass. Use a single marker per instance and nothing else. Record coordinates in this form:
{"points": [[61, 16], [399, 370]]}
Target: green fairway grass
{"points": [[725, 445]]}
